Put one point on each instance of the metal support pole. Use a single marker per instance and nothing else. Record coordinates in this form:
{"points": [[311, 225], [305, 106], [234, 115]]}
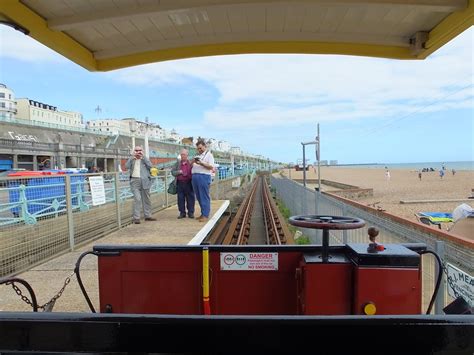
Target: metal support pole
{"points": [[441, 296], [117, 199], [325, 246], [304, 165], [70, 220], [344, 232], [166, 188], [318, 150]]}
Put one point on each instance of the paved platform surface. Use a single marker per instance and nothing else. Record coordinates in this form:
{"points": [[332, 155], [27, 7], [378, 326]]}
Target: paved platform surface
{"points": [[48, 278]]}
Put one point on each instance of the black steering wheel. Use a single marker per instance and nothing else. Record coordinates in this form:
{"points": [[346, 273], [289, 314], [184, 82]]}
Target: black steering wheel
{"points": [[326, 222]]}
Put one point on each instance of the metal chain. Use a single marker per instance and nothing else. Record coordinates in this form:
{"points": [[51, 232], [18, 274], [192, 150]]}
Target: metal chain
{"points": [[19, 293], [48, 306]]}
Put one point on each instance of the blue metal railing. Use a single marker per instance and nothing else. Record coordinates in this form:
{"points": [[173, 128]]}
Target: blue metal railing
{"points": [[32, 199]]}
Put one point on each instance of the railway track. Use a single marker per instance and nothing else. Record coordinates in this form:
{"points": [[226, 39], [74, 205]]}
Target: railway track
{"points": [[257, 221]]}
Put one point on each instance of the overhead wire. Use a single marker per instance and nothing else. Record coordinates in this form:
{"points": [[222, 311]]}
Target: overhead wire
{"points": [[398, 119]]}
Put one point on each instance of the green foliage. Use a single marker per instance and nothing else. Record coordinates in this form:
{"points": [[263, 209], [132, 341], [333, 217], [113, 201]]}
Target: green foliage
{"points": [[303, 240], [286, 213]]}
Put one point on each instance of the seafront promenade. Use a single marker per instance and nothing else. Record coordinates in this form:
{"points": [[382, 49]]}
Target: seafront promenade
{"points": [[48, 278], [433, 193]]}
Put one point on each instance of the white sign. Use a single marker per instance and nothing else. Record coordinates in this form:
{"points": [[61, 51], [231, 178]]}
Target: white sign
{"points": [[236, 183], [96, 184], [249, 261], [23, 137], [460, 284]]}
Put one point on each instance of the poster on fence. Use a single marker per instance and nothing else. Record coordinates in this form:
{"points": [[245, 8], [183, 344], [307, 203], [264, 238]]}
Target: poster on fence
{"points": [[236, 183], [96, 184], [460, 284]]}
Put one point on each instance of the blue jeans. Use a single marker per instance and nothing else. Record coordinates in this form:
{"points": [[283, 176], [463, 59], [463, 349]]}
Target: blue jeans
{"points": [[201, 183]]}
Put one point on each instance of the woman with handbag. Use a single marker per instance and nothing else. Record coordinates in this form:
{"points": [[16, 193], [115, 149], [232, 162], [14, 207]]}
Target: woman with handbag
{"points": [[184, 187]]}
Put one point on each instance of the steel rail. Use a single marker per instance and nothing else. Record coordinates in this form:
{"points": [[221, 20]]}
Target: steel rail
{"points": [[277, 233]]}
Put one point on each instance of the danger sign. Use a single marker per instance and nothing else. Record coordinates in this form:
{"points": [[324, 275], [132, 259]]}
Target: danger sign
{"points": [[249, 261]]}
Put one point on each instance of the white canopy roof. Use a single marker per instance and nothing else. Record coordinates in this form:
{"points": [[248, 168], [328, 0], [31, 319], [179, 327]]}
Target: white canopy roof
{"points": [[111, 34]]}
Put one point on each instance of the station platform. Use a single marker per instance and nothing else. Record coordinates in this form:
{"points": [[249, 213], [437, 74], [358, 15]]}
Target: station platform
{"points": [[48, 278]]}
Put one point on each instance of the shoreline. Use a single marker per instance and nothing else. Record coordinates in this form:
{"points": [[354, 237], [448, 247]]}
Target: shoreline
{"points": [[401, 185]]}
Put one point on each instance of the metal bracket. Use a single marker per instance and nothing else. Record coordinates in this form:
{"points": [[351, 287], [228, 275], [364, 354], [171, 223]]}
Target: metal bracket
{"points": [[418, 41]]}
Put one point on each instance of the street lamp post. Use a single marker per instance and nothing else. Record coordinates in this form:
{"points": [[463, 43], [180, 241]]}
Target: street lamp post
{"points": [[146, 147], [133, 129]]}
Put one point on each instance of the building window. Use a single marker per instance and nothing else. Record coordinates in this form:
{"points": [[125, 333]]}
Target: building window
{"points": [[2, 95]]}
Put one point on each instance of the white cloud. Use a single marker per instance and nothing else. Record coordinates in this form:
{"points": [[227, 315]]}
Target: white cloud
{"points": [[16, 45], [278, 90]]}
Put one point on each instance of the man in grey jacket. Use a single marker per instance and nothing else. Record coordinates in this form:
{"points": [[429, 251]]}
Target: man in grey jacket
{"points": [[140, 184]]}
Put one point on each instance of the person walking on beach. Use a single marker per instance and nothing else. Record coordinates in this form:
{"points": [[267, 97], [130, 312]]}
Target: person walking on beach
{"points": [[419, 175], [387, 174], [202, 167], [140, 184], [184, 186], [441, 173]]}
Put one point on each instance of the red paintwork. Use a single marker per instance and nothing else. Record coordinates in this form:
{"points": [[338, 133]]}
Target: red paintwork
{"points": [[166, 282], [393, 291], [169, 282], [255, 292], [325, 289]]}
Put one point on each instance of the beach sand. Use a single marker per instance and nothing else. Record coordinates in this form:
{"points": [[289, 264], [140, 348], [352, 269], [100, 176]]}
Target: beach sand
{"points": [[403, 185]]}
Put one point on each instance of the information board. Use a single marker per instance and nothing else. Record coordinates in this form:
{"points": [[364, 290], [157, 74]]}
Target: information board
{"points": [[96, 184], [460, 284]]}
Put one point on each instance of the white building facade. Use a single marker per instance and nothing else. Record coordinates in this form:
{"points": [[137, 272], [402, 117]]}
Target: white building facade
{"points": [[110, 126], [8, 108], [224, 146], [36, 111], [236, 150]]}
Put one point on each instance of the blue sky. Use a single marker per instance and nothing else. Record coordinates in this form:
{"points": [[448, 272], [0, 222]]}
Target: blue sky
{"points": [[370, 110]]}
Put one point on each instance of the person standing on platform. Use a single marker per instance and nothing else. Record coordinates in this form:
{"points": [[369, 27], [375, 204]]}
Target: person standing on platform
{"points": [[184, 186], [201, 178], [140, 184]]}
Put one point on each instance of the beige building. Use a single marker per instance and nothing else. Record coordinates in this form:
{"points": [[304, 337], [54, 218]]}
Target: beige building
{"points": [[35, 111], [110, 126], [127, 126], [7, 103]]}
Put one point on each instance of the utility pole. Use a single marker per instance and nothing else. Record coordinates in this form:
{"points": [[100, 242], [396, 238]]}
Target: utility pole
{"points": [[304, 165]]}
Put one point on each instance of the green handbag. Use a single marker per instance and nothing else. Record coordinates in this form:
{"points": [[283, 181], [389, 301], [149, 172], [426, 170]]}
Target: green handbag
{"points": [[172, 187]]}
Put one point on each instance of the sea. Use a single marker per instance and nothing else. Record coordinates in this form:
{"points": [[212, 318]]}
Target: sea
{"points": [[436, 165]]}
